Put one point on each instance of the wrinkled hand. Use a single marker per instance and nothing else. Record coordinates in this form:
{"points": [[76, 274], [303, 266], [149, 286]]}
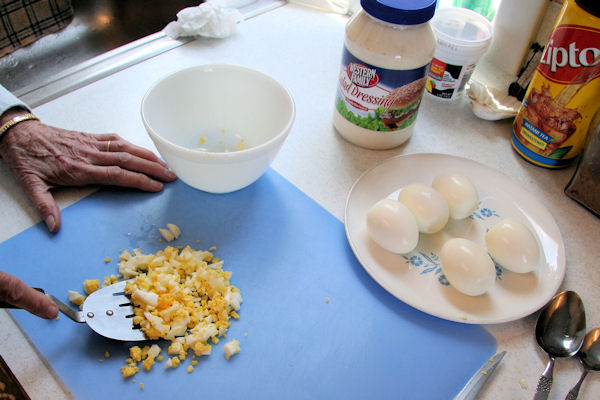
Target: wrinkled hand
{"points": [[15, 292], [43, 157]]}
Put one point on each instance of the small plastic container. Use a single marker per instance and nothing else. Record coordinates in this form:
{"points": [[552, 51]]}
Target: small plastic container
{"points": [[387, 50], [463, 36]]}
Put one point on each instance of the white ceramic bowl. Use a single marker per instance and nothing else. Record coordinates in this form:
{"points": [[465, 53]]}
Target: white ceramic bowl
{"points": [[239, 116]]}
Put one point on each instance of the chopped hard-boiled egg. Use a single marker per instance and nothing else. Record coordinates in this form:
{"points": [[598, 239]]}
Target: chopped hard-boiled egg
{"points": [[182, 295], [129, 370], [109, 280], [91, 285], [76, 297], [179, 294], [172, 362], [232, 347], [144, 297], [135, 352], [171, 233]]}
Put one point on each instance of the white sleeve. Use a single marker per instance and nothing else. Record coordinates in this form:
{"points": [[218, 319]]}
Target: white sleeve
{"points": [[9, 100]]}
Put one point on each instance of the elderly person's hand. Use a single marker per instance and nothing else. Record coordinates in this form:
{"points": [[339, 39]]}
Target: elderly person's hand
{"points": [[43, 157], [16, 293]]}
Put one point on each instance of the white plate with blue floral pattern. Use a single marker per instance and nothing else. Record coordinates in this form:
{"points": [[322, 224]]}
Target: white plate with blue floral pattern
{"points": [[417, 278]]}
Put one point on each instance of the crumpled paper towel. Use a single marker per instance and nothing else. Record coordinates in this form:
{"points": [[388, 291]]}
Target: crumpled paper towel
{"points": [[213, 19], [490, 103]]}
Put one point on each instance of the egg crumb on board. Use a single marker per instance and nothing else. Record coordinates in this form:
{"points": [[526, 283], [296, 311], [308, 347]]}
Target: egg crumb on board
{"points": [[91, 285], [190, 368], [172, 362], [150, 354], [232, 347], [135, 353], [109, 280], [107, 260], [106, 354], [171, 233], [181, 295], [129, 370], [141, 386], [76, 297]]}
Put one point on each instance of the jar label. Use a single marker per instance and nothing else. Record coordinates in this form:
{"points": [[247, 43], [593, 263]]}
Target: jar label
{"points": [[446, 80], [376, 98]]}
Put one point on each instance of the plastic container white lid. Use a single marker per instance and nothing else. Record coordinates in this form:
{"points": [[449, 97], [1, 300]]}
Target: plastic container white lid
{"points": [[462, 31]]}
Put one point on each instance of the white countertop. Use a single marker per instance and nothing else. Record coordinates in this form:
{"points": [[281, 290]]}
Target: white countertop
{"points": [[301, 48]]}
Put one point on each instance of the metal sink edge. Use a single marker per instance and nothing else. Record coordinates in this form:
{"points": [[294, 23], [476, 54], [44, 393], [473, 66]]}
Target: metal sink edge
{"points": [[117, 60]]}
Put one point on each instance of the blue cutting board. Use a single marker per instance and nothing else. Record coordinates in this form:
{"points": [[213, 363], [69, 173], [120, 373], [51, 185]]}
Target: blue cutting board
{"points": [[288, 255]]}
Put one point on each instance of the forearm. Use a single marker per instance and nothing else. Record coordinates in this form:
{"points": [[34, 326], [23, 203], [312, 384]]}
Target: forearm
{"points": [[8, 101], [10, 107]]}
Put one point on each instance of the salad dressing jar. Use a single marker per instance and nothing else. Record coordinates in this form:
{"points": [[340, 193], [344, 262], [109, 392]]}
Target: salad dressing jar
{"points": [[387, 50]]}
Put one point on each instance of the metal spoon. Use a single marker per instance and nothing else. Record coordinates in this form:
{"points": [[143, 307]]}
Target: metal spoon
{"points": [[589, 355], [559, 331]]}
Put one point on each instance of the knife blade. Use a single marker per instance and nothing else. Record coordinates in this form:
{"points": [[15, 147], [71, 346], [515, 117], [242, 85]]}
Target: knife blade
{"points": [[474, 385]]}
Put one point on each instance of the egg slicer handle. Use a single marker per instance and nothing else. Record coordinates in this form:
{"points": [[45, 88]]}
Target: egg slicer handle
{"points": [[76, 316]]}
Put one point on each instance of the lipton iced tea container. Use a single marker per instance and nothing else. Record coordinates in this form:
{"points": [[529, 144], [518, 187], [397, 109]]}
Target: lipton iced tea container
{"points": [[564, 94], [387, 49]]}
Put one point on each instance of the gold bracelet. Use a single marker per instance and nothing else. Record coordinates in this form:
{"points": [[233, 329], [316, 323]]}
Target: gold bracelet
{"points": [[14, 121]]}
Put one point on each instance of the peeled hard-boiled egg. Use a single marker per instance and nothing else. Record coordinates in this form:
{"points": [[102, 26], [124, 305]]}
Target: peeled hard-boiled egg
{"points": [[427, 205], [392, 226], [512, 245], [467, 266], [459, 192]]}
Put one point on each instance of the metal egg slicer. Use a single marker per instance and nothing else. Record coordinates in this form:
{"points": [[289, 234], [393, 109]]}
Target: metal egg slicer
{"points": [[107, 311]]}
